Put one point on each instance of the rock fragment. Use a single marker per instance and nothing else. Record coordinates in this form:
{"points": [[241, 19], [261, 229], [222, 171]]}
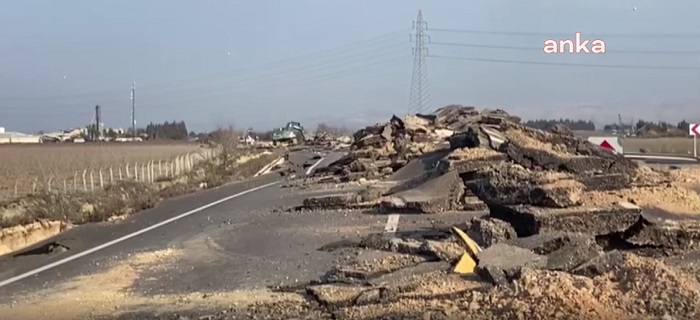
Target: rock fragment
{"points": [[446, 251], [489, 231], [501, 262], [439, 194], [530, 220], [610, 261], [334, 201]]}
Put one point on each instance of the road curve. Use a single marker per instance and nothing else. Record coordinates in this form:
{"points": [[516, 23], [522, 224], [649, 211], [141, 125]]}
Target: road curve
{"points": [[228, 238]]}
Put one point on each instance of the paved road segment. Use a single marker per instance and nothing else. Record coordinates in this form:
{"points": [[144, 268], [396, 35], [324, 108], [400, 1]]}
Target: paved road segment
{"points": [[251, 243]]}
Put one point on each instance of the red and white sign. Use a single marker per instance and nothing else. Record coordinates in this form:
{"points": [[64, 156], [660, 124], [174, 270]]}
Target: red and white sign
{"points": [[606, 145], [694, 129], [610, 143]]}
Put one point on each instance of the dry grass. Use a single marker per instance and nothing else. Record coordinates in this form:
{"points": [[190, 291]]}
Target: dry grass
{"points": [[681, 146], [124, 197], [22, 164]]}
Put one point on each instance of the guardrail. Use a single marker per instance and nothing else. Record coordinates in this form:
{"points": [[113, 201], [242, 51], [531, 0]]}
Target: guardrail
{"points": [[661, 157]]}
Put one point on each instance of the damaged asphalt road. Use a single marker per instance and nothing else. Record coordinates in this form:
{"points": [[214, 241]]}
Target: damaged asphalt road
{"points": [[243, 243]]}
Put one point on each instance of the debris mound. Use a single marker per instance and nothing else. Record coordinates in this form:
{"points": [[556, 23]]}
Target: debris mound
{"points": [[380, 150], [569, 229], [330, 141]]}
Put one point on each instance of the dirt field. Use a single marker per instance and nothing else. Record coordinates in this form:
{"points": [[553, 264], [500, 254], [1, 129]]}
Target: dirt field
{"points": [[659, 145], [24, 163]]}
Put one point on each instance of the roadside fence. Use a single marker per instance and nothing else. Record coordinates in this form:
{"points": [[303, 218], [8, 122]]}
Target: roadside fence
{"points": [[85, 180]]}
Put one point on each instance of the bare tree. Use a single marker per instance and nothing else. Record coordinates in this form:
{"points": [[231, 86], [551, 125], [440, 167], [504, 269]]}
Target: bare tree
{"points": [[226, 140]]}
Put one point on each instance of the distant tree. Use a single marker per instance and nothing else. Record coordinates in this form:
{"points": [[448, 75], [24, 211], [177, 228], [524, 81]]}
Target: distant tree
{"points": [[325, 128], [111, 133], [547, 124], [167, 130]]}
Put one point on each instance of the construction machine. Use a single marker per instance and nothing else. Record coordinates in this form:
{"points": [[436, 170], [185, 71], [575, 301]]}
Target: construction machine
{"points": [[291, 134]]}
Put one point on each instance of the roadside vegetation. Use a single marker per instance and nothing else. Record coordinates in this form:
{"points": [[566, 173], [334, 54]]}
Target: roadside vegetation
{"points": [[127, 197]]}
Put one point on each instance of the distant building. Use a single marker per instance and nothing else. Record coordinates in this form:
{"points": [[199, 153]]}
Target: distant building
{"points": [[17, 137]]}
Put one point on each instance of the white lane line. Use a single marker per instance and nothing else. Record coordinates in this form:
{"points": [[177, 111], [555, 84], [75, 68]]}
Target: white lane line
{"points": [[392, 223], [267, 168], [129, 236], [311, 168]]}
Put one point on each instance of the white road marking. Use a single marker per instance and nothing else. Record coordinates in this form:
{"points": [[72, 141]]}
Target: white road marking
{"points": [[267, 168], [311, 168], [129, 236], [392, 223]]}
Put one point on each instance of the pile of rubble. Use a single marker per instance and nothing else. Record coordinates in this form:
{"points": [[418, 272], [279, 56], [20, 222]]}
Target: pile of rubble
{"points": [[378, 151], [555, 209], [560, 275], [330, 141]]}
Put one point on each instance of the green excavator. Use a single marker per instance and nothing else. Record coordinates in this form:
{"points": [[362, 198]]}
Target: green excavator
{"points": [[291, 134]]}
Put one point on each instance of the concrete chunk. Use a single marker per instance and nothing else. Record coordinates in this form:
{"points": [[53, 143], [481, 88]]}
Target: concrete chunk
{"points": [[473, 204], [530, 220], [501, 262], [679, 234], [546, 243], [445, 251], [487, 232], [439, 194], [334, 201], [409, 246], [572, 255], [333, 295], [598, 266]]}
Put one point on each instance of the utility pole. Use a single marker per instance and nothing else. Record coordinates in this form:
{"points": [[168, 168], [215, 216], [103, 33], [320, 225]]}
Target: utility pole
{"points": [[420, 97], [133, 110], [97, 123]]}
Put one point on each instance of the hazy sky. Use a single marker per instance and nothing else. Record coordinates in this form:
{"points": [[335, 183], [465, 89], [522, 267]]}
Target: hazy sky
{"points": [[262, 63]]}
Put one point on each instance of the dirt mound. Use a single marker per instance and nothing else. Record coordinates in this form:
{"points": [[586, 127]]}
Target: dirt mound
{"points": [[632, 287]]}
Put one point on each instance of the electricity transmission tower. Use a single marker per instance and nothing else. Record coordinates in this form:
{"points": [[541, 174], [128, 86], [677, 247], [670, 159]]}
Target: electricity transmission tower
{"points": [[420, 97]]}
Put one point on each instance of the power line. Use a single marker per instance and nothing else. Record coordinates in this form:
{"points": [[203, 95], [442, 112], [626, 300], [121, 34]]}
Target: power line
{"points": [[344, 49], [343, 66], [540, 49], [612, 66], [567, 35], [237, 84], [244, 84], [238, 92], [306, 57], [342, 61], [318, 78]]}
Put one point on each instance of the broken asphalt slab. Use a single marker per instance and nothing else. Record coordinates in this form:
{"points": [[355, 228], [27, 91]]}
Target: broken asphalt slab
{"points": [[442, 193], [530, 220]]}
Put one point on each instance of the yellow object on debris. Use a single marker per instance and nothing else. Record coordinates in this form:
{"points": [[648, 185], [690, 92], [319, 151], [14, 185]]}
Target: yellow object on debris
{"points": [[472, 246], [466, 264]]}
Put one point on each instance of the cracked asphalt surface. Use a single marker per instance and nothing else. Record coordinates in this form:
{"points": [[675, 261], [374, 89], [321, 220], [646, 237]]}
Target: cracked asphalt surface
{"points": [[243, 243], [247, 244]]}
